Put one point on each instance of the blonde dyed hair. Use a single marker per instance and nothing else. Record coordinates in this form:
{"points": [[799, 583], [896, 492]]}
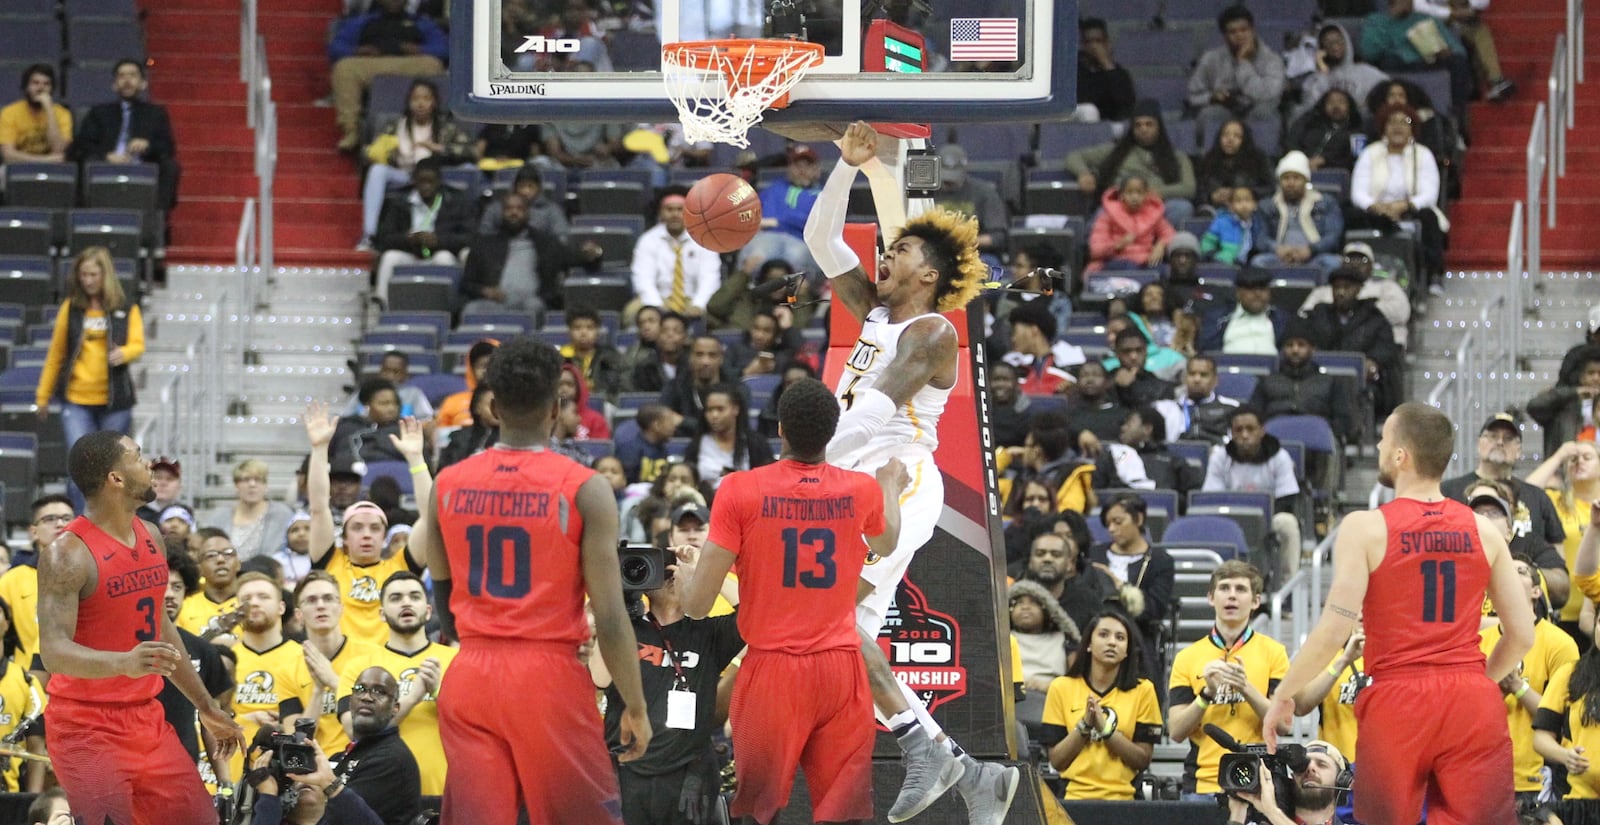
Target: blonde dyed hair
{"points": [[111, 295], [250, 468], [954, 234]]}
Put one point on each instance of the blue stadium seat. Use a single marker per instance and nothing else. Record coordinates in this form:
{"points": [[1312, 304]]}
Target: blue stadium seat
{"points": [[1209, 529], [1057, 140], [1245, 362], [1237, 385], [31, 39], [995, 141], [438, 386], [439, 321]]}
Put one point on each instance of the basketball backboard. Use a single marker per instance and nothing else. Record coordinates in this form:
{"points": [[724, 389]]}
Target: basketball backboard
{"points": [[913, 61]]}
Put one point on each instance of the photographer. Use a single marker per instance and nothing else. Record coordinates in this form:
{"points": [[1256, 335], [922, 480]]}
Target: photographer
{"points": [[1314, 792], [378, 765], [322, 798], [676, 781]]}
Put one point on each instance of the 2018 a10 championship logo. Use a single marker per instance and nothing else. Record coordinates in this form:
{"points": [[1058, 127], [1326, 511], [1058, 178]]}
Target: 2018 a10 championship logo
{"points": [[924, 647]]}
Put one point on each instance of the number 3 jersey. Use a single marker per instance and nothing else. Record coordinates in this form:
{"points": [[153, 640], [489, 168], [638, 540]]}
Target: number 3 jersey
{"points": [[125, 608], [512, 532], [796, 530], [917, 420], [1425, 599]]}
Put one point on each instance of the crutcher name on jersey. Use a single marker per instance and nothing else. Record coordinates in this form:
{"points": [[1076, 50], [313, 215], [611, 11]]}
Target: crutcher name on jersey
{"points": [[1436, 541], [808, 509], [502, 503], [155, 576]]}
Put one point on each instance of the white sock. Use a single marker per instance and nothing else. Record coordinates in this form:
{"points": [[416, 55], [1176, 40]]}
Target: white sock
{"points": [[926, 719]]}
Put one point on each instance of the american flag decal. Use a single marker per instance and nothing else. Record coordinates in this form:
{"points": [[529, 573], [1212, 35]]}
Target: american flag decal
{"points": [[983, 38]]}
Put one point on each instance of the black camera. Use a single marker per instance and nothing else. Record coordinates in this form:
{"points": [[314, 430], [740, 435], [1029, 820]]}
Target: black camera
{"points": [[292, 753], [1240, 771], [644, 566]]}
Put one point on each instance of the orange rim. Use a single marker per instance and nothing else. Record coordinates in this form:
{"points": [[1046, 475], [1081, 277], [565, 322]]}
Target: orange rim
{"points": [[749, 60]]}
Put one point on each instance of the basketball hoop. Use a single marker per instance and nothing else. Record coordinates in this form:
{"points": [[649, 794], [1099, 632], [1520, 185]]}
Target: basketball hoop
{"points": [[723, 87]]}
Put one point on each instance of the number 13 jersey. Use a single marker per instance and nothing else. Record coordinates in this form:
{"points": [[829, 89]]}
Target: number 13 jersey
{"points": [[797, 531], [512, 532], [914, 422], [1425, 599]]}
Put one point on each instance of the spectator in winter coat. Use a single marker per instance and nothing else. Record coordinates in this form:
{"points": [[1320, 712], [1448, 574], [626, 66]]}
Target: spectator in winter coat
{"points": [[591, 423], [1299, 387], [1241, 78], [1330, 132], [1254, 462], [1233, 161], [1144, 150], [1131, 231], [1252, 324], [1351, 324], [1298, 225], [1231, 235], [1337, 68], [1391, 297]]}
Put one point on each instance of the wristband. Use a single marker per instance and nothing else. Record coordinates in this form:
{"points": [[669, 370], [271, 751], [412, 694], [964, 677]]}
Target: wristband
{"points": [[1334, 671], [419, 467], [1522, 691], [1084, 729], [1202, 701], [1110, 728]]}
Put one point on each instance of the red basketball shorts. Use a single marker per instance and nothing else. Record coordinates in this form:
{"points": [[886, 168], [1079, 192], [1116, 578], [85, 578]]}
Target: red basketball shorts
{"points": [[123, 764], [521, 716], [812, 712], [1440, 735]]}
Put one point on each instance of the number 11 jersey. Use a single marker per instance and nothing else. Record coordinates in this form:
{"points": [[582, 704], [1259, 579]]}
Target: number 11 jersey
{"points": [[797, 531], [512, 532], [1425, 599]]}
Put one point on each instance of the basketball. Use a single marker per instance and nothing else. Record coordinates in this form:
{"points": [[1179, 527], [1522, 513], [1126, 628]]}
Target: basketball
{"points": [[722, 212]]}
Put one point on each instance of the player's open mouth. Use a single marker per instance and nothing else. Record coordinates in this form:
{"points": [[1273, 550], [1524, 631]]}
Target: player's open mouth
{"points": [[883, 272]]}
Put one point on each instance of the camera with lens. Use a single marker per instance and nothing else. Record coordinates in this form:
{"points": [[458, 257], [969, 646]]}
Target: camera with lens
{"points": [[644, 566], [1240, 770], [292, 753]]}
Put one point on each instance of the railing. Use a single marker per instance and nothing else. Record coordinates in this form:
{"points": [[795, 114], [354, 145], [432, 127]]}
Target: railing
{"points": [[262, 114], [188, 423], [1303, 594]]}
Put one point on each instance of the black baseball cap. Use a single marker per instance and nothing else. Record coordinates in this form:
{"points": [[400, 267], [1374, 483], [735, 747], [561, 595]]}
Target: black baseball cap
{"points": [[1505, 421], [691, 509]]}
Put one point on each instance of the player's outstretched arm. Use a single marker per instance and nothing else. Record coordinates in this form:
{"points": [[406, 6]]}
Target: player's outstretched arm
{"points": [[926, 347], [1350, 577], [1510, 602], [824, 232], [602, 578], [427, 546]]}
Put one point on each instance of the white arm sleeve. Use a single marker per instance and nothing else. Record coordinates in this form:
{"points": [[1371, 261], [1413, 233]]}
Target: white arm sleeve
{"points": [[824, 231], [871, 410]]}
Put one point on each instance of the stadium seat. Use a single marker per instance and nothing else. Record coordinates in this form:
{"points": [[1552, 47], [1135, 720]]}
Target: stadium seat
{"points": [[616, 243], [611, 197], [1191, 586], [1435, 82], [397, 470], [466, 179], [495, 318], [603, 293], [627, 223], [17, 385], [1182, 133], [1197, 453], [597, 448], [1010, 142], [420, 292], [30, 39], [1332, 181], [1144, 47], [1206, 528], [438, 386], [26, 231], [421, 362], [439, 321], [422, 339], [451, 272], [1057, 140], [1237, 385], [44, 185], [104, 36], [119, 230], [1249, 363], [1251, 511], [1057, 197]]}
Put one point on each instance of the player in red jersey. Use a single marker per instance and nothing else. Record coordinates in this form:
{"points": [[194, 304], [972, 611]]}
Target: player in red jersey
{"points": [[531, 532], [105, 636], [796, 528], [1433, 721]]}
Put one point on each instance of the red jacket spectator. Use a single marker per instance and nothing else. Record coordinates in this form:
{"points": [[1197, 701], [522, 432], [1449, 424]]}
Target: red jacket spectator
{"points": [[1131, 231]]}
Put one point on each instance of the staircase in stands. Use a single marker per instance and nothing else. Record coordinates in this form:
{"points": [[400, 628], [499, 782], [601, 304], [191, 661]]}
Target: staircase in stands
{"points": [[195, 46], [1496, 164]]}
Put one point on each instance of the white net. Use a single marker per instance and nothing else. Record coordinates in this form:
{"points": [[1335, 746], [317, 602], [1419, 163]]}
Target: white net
{"points": [[721, 90]]}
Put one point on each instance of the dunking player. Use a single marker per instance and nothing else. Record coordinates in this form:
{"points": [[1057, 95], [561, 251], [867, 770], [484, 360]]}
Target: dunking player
{"points": [[796, 529], [531, 531], [1416, 571], [105, 636], [893, 390]]}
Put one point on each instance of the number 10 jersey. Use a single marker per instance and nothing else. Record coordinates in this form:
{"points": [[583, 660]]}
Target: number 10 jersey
{"points": [[513, 533]]}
